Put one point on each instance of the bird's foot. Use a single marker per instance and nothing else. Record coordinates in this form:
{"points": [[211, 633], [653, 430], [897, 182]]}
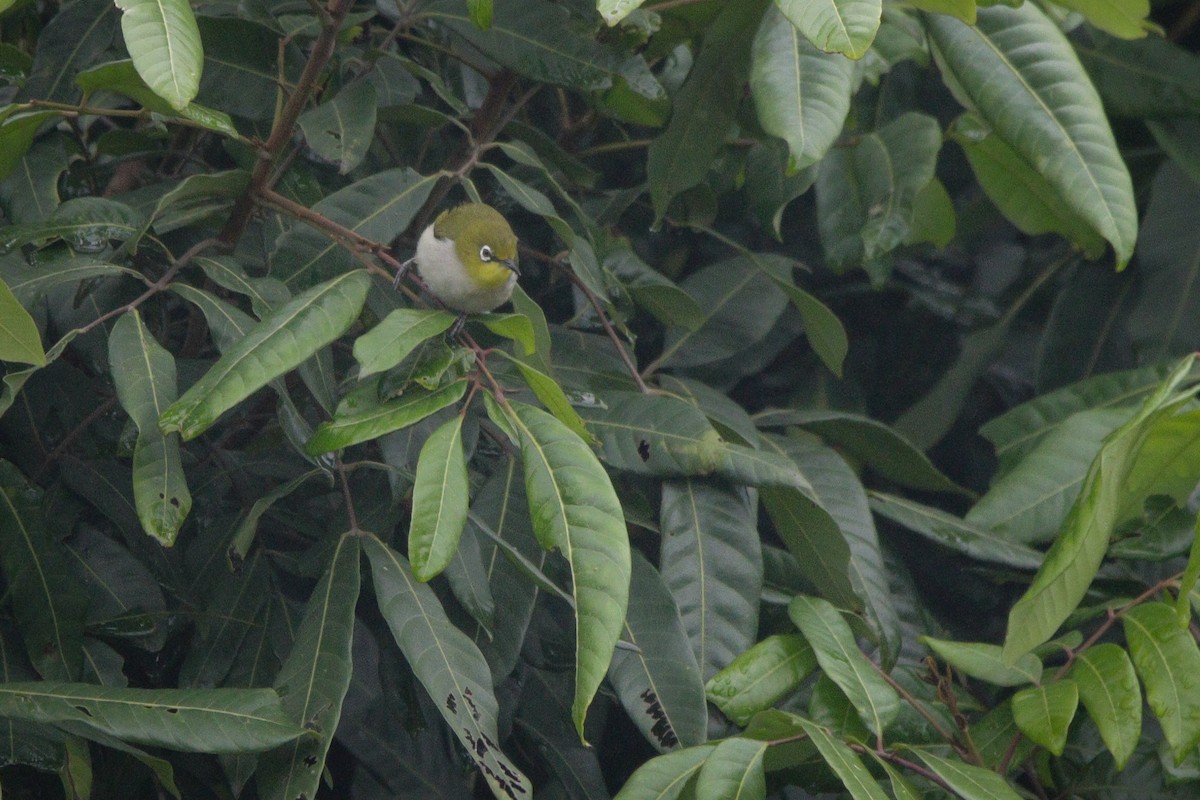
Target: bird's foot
{"points": [[458, 325], [400, 273]]}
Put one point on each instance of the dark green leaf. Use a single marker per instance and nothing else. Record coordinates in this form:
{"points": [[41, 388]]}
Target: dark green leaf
{"points": [[193, 720], [704, 107], [446, 663], [47, 600], [341, 129], [711, 561], [314, 678], [659, 685]]}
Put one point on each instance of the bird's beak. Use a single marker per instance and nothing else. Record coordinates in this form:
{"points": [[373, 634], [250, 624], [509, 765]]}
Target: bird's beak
{"points": [[511, 263]]}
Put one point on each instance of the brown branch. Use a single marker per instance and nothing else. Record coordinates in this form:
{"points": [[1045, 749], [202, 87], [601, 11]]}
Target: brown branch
{"points": [[285, 122], [155, 288]]}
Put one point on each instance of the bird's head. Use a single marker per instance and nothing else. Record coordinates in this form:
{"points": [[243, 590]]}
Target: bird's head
{"points": [[483, 241]]}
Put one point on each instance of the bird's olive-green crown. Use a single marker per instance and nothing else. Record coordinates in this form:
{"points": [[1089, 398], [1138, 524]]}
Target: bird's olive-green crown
{"points": [[483, 241]]}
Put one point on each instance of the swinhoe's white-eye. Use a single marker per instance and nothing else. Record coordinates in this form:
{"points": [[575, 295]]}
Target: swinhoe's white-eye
{"points": [[468, 259]]}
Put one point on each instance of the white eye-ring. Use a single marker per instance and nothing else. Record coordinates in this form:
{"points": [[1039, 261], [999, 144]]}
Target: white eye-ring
{"points": [[485, 253]]}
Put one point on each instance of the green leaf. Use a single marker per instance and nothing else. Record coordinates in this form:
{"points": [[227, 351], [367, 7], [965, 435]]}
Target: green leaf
{"points": [[1168, 266], [413, 406], [16, 135], [665, 777], [315, 677], [968, 781], [1187, 582], [29, 283], [1167, 661], [1011, 69], [87, 224], [378, 207], [517, 327], [926, 421], [265, 293], [539, 40], [1109, 691], [1028, 503], [397, 335], [19, 337], [826, 335], [1023, 195], [575, 509], [1123, 18], [281, 342], [869, 441], [547, 390], [802, 95], [1019, 429], [933, 216], [162, 38], [845, 764], [123, 77], [481, 13], [740, 306], [704, 107], [241, 53], [836, 26], [1075, 556], [984, 661], [1168, 465], [660, 296], [733, 771], [341, 129], [446, 663], [144, 375], [711, 561], [511, 554], [844, 559], [1151, 77], [667, 437], [1044, 713], [761, 676], [833, 642], [866, 194], [439, 503], [949, 530], [46, 597], [614, 11], [659, 684], [75, 38], [191, 720]]}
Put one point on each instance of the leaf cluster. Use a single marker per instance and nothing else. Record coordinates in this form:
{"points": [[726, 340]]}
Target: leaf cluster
{"points": [[841, 437]]}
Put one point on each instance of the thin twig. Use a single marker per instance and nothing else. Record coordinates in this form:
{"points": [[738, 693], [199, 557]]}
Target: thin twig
{"points": [[155, 288], [68, 440], [350, 512], [285, 122]]}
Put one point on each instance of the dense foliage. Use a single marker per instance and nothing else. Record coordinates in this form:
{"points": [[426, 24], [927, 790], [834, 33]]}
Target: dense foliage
{"points": [[841, 436]]}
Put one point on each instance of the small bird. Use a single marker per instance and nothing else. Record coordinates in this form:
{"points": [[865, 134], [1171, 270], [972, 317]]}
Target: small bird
{"points": [[468, 259]]}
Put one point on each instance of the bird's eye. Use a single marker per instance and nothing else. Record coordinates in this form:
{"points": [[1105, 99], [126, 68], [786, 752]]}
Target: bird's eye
{"points": [[485, 253]]}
